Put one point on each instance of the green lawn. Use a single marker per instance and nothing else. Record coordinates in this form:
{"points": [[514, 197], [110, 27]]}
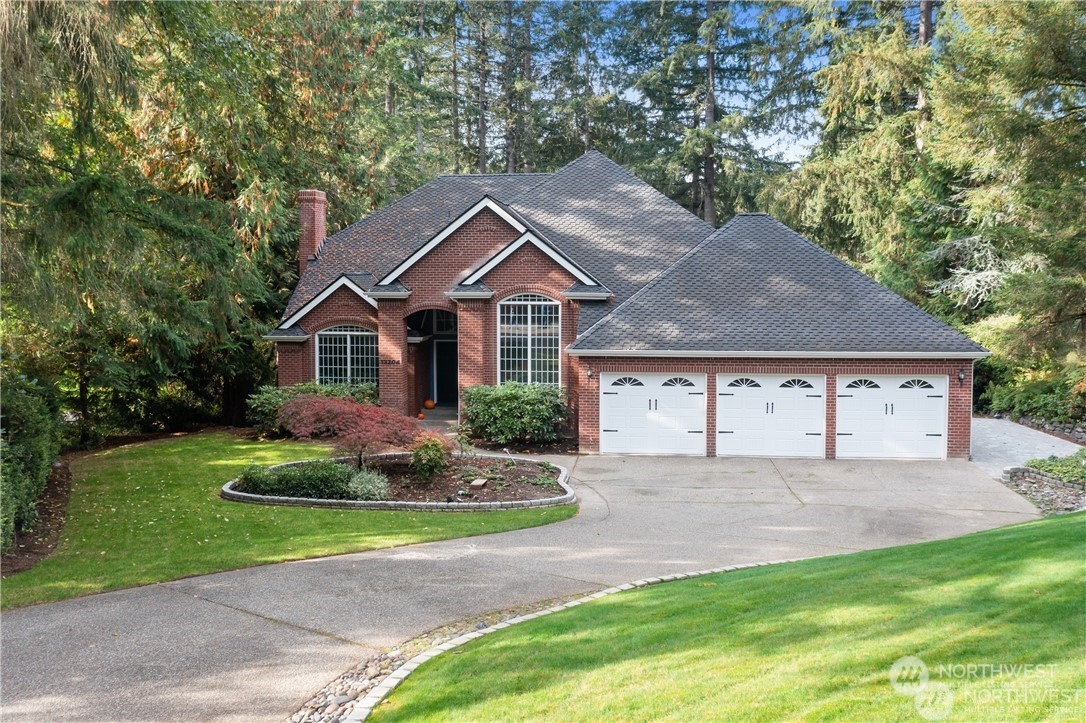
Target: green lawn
{"points": [[151, 512], [813, 640]]}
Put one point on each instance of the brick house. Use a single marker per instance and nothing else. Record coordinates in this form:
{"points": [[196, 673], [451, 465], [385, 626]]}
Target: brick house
{"points": [[668, 336]]}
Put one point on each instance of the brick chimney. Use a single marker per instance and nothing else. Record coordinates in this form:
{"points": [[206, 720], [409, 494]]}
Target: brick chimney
{"points": [[312, 217]]}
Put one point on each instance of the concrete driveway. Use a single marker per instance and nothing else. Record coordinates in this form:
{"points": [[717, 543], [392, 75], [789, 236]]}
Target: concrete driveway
{"points": [[256, 644]]}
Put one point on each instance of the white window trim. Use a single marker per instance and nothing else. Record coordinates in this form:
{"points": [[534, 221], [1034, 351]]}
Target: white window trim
{"points": [[486, 202], [498, 334], [529, 237], [317, 350], [340, 282]]}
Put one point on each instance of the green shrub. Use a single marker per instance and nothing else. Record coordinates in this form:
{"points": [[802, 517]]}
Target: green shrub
{"points": [[321, 479], [516, 412], [264, 406], [1054, 396], [1071, 468], [30, 431], [368, 484], [429, 455]]}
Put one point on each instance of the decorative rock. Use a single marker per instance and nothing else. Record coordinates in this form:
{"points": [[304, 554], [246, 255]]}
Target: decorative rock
{"points": [[477, 483]]}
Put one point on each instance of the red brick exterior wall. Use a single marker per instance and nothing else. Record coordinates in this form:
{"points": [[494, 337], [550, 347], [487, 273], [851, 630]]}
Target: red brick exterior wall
{"points": [[959, 397], [313, 222], [528, 270], [402, 366], [296, 362]]}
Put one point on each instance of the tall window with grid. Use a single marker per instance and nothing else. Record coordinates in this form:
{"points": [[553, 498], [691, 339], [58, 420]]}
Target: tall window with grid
{"points": [[528, 340], [346, 355]]}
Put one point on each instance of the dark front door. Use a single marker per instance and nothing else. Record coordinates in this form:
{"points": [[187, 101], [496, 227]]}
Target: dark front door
{"points": [[445, 382]]}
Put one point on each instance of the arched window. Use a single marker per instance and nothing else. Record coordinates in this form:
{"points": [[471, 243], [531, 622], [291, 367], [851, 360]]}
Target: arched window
{"points": [[528, 340], [346, 355]]}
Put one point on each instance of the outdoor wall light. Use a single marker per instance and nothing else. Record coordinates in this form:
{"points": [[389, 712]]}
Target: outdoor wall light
{"points": [[961, 376]]}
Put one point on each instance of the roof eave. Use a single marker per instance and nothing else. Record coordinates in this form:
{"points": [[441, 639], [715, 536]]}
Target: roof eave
{"points": [[680, 353], [292, 338]]}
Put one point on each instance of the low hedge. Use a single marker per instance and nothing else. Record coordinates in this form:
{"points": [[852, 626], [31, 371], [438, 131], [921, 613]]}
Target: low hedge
{"points": [[323, 479], [265, 404], [515, 412], [30, 433]]}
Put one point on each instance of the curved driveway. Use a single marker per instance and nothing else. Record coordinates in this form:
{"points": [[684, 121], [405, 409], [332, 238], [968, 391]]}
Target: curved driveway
{"points": [[256, 644]]}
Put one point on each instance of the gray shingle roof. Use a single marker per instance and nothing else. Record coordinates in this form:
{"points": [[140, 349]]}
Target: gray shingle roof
{"points": [[757, 286], [367, 250], [614, 225]]}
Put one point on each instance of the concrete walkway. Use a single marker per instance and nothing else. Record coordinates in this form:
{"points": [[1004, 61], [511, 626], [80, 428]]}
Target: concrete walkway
{"points": [[256, 644], [1000, 443]]}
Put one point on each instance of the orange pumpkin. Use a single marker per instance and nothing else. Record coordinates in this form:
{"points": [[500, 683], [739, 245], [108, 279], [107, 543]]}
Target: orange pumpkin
{"points": [[429, 404], [422, 416]]}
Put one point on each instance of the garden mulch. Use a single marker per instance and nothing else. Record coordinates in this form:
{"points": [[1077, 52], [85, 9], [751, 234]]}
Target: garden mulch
{"points": [[506, 480]]}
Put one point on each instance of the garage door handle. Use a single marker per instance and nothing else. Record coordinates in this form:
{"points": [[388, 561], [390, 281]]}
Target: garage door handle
{"points": [[726, 394], [891, 410], [933, 435], [696, 394], [839, 396], [723, 432], [695, 431], [610, 392], [935, 396], [815, 396], [814, 434], [610, 430], [844, 434]]}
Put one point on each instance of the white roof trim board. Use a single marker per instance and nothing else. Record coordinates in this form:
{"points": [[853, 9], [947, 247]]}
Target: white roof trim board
{"points": [[332, 288], [272, 336], [430, 245], [778, 354], [546, 248]]}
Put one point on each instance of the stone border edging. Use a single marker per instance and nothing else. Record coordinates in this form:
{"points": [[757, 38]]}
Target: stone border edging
{"points": [[364, 707], [1012, 474], [567, 498]]}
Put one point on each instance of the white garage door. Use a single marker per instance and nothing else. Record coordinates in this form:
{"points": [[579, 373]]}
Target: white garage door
{"points": [[770, 415], [891, 417], [652, 413]]}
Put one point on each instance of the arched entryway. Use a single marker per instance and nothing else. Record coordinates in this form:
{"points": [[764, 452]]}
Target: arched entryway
{"points": [[433, 333]]}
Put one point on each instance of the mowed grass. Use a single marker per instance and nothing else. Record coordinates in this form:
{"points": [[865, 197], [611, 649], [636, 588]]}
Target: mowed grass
{"points": [[813, 640], [151, 512]]}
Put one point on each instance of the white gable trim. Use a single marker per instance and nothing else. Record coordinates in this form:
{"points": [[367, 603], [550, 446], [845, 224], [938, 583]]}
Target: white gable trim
{"points": [[332, 288], [529, 237], [486, 202]]}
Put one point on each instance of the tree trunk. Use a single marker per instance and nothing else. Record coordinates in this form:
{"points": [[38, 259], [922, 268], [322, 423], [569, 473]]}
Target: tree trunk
{"points": [[484, 62], [418, 70], [526, 153], [507, 89], [709, 192], [455, 92], [923, 40]]}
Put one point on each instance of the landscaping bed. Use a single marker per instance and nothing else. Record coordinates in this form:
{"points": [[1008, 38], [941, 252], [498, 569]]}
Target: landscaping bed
{"points": [[471, 482], [503, 480]]}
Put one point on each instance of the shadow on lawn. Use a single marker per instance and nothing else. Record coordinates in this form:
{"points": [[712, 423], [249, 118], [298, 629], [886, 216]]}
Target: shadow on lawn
{"points": [[830, 628]]}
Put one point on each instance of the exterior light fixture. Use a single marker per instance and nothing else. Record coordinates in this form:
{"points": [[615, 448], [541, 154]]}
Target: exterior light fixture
{"points": [[961, 376]]}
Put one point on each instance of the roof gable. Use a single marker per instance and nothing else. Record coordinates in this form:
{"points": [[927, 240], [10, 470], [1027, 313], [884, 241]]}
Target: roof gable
{"points": [[368, 249], [486, 202], [528, 237], [342, 281], [757, 288]]}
